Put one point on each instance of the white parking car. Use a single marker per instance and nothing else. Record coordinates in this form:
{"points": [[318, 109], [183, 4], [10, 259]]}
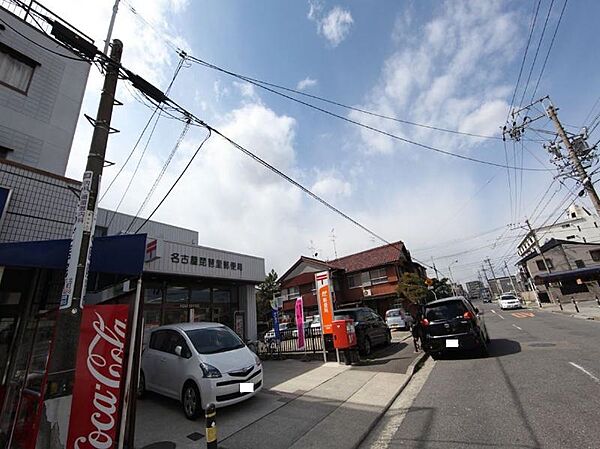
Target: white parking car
{"points": [[198, 364], [509, 302]]}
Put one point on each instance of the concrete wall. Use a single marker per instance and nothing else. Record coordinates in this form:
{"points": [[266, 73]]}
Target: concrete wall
{"points": [[39, 126]]}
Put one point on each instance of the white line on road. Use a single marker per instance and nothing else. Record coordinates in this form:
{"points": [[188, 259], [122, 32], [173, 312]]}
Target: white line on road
{"points": [[514, 325], [497, 314], [585, 371]]}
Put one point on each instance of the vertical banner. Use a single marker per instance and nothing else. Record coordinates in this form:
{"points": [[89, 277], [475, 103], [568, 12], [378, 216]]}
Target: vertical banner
{"points": [[95, 409], [84, 221], [275, 315], [300, 322], [325, 304]]}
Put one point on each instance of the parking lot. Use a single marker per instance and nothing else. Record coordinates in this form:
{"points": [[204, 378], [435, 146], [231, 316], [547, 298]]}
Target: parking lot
{"points": [[288, 384]]}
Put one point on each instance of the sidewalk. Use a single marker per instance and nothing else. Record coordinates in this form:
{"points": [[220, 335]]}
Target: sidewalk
{"points": [[588, 310], [302, 405]]}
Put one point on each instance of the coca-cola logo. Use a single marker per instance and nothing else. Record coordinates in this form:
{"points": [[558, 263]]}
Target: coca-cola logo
{"points": [[104, 363]]}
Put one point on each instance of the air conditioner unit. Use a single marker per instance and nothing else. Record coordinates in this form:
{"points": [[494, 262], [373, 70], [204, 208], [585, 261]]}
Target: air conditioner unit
{"points": [[366, 292]]}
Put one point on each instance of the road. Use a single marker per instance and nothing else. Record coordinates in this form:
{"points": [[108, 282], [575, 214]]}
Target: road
{"points": [[539, 388]]}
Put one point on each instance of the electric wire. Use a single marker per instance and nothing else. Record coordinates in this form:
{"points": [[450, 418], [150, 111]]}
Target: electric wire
{"points": [[549, 50], [176, 181]]}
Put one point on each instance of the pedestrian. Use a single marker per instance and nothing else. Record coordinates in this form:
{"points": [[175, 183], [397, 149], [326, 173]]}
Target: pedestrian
{"points": [[416, 331]]}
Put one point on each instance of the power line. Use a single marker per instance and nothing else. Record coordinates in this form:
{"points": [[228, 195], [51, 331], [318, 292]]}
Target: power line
{"points": [[549, 50], [176, 181], [357, 123], [537, 50], [512, 101]]}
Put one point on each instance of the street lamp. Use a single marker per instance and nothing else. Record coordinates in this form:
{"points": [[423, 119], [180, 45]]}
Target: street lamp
{"points": [[451, 277]]}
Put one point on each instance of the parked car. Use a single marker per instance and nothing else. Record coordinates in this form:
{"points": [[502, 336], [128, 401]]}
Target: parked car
{"points": [[199, 363], [310, 325], [509, 301], [371, 329], [398, 319], [452, 324], [285, 330]]}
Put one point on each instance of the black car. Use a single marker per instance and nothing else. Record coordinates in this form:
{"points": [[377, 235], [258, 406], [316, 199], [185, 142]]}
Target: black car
{"points": [[371, 329], [452, 324]]}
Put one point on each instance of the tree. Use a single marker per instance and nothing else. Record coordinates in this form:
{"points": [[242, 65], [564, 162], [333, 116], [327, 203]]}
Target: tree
{"points": [[412, 288], [266, 291], [442, 289]]}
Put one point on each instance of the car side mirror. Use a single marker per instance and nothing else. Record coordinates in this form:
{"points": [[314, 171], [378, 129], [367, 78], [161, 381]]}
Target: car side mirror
{"points": [[178, 350]]}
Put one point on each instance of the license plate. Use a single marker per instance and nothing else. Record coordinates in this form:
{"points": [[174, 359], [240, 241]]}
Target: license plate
{"points": [[452, 343], [246, 387]]}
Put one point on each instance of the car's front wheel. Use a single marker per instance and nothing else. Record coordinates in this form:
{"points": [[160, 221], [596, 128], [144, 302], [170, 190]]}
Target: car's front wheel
{"points": [[366, 346], [388, 338], [192, 406]]}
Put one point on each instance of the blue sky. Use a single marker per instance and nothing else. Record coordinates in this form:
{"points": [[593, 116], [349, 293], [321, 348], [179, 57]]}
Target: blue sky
{"points": [[449, 64]]}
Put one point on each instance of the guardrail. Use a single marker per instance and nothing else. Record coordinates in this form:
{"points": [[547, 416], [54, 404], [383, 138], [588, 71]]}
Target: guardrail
{"points": [[288, 345]]}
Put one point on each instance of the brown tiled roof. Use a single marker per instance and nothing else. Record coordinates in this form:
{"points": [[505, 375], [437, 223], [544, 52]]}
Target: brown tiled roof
{"points": [[370, 258]]}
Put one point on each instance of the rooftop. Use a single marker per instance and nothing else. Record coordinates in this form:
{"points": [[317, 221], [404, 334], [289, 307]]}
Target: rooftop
{"points": [[374, 257]]}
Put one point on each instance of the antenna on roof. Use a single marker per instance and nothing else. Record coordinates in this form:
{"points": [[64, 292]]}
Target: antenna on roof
{"points": [[332, 237]]}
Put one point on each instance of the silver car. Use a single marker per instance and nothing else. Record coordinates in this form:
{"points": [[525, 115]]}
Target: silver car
{"points": [[398, 319], [198, 364]]}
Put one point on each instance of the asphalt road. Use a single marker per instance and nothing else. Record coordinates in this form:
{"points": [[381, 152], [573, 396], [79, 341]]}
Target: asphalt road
{"points": [[539, 388]]}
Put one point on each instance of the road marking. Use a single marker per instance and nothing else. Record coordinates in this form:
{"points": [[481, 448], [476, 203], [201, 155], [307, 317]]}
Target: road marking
{"points": [[514, 325], [585, 371], [497, 314], [523, 315]]}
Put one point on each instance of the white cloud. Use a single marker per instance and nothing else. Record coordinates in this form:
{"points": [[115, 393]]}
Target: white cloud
{"points": [[334, 26], [246, 90], [306, 83], [330, 186], [219, 90], [444, 73]]}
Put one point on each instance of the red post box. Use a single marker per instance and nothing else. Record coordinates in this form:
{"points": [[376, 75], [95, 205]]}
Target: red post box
{"points": [[344, 335]]}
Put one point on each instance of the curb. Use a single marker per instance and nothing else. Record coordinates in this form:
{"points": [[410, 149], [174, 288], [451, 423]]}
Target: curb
{"points": [[411, 371]]}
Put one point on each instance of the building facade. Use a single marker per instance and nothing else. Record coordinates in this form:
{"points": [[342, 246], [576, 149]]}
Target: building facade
{"points": [[367, 278], [573, 270], [40, 91], [580, 225]]}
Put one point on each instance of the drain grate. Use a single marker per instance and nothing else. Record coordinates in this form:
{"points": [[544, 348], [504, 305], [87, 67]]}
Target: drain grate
{"points": [[195, 436]]}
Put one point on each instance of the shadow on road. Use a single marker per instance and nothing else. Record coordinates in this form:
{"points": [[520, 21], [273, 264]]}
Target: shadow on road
{"points": [[498, 347]]}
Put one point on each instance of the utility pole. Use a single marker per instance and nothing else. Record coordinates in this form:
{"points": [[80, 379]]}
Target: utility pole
{"points": [[61, 365], [111, 26], [539, 250], [574, 158], [510, 277], [498, 286], [486, 278], [437, 276], [332, 236]]}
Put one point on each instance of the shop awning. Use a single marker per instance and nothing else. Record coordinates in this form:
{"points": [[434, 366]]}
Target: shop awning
{"points": [[585, 274], [120, 254]]}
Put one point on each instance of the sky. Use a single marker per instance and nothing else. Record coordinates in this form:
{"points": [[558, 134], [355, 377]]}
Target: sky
{"points": [[447, 64]]}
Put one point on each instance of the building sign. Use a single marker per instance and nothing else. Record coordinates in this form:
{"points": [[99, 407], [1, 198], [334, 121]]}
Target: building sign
{"points": [[95, 409], [275, 314], [325, 303], [300, 322], [193, 260]]}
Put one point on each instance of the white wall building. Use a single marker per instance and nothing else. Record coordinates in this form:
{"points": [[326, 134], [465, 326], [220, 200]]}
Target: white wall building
{"points": [[40, 92], [580, 226]]}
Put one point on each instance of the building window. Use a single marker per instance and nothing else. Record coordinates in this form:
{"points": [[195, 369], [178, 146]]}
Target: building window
{"points": [[565, 225], [570, 237], [595, 255], [579, 264], [378, 276], [293, 293], [100, 231], [4, 152], [354, 281], [571, 287], [541, 266], [16, 69]]}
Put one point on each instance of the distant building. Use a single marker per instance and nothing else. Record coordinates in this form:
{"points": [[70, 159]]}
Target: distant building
{"points": [[502, 285], [574, 270], [580, 226], [474, 289], [367, 278]]}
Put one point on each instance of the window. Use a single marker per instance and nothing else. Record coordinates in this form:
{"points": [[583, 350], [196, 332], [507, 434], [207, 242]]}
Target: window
{"points": [[16, 69], [541, 266], [378, 276], [214, 340], [177, 295], [580, 264], [100, 231], [354, 280], [565, 225], [293, 293], [4, 152], [595, 255], [571, 287]]}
